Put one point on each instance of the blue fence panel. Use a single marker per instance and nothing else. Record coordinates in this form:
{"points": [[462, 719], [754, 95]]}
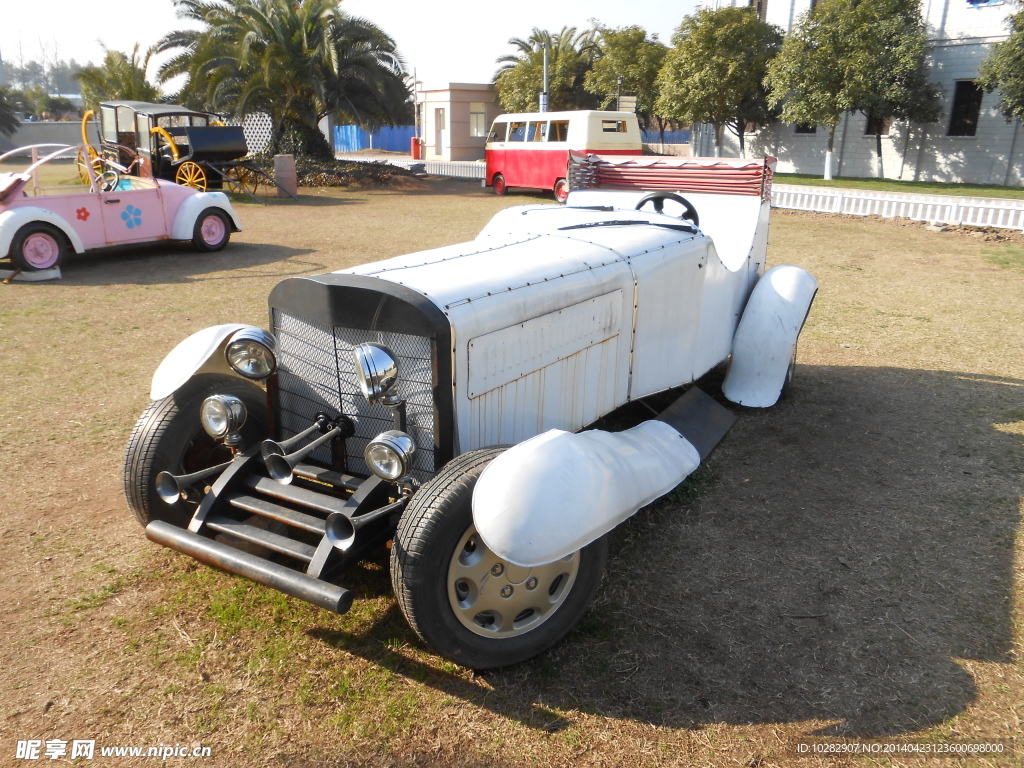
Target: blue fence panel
{"points": [[352, 138], [671, 137]]}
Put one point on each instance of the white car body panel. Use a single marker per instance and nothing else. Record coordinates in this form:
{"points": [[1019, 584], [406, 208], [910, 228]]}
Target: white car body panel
{"points": [[15, 218], [767, 335], [185, 220], [550, 496], [202, 352]]}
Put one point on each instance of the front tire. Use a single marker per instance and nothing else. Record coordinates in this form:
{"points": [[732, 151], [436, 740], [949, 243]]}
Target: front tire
{"points": [[212, 231], [38, 246], [463, 600], [169, 436], [500, 188], [561, 190]]}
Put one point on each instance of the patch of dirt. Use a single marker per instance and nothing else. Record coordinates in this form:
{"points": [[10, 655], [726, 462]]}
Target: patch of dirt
{"points": [[850, 562]]}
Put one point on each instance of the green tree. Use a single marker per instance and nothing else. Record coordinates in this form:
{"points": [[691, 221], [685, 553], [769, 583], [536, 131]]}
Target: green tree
{"points": [[628, 54], [8, 120], [519, 80], [297, 60], [715, 71], [120, 76], [1004, 69], [844, 55]]}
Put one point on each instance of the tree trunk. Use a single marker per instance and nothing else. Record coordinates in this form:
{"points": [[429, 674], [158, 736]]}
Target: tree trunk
{"points": [[828, 152], [718, 139], [878, 151], [741, 126]]}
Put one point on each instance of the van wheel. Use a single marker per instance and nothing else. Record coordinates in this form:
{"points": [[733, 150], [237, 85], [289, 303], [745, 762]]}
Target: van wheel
{"points": [[499, 184], [561, 190], [466, 602]]}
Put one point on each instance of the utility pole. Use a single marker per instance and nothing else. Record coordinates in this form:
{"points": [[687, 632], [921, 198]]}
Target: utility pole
{"points": [[544, 94]]}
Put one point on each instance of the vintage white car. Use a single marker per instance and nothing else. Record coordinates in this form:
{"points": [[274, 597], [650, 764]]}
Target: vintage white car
{"points": [[389, 390], [41, 225]]}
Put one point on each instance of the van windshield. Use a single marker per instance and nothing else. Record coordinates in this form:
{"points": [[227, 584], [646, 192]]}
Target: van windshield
{"points": [[497, 132]]}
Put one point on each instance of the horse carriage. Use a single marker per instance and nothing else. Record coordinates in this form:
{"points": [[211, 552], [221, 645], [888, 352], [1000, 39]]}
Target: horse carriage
{"points": [[174, 143]]}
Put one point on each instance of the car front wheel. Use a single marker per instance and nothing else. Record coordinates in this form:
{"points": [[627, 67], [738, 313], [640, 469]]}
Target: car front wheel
{"points": [[38, 246], [169, 436], [470, 605], [212, 231], [499, 185]]}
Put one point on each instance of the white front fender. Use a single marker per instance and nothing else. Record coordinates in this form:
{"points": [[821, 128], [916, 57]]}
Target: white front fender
{"points": [[202, 352], [555, 493], [15, 218], [763, 345]]}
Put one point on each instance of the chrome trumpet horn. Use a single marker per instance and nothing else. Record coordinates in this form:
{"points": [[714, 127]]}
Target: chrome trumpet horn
{"points": [[273, 448], [169, 487], [280, 466], [341, 529]]}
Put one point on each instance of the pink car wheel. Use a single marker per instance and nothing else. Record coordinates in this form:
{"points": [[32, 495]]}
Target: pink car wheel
{"points": [[38, 246], [211, 232]]}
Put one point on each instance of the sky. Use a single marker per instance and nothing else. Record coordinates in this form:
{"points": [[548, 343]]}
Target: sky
{"points": [[454, 41]]}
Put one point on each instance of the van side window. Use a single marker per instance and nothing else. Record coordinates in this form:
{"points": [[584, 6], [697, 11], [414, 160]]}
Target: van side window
{"points": [[497, 131], [538, 131], [517, 132], [613, 126], [559, 130]]}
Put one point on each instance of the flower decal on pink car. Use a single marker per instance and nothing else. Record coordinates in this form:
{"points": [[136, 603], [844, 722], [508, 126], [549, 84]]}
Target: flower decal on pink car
{"points": [[132, 217], [83, 214]]}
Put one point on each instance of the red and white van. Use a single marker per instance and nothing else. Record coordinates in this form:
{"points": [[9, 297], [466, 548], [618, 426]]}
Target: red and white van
{"points": [[531, 149]]}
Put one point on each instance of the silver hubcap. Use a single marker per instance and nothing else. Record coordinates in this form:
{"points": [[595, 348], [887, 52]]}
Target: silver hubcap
{"points": [[492, 597]]}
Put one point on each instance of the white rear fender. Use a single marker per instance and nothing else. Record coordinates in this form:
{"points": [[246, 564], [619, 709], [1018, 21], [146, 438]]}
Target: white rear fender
{"points": [[766, 337], [555, 493], [202, 352], [15, 218], [185, 220]]}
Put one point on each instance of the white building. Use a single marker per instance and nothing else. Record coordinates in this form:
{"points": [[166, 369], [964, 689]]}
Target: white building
{"points": [[971, 143]]}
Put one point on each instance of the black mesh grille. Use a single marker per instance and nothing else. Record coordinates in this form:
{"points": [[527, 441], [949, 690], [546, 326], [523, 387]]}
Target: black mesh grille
{"points": [[316, 372]]}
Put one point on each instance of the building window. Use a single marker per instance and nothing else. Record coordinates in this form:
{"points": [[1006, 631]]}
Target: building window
{"points": [[966, 108], [877, 125], [806, 128], [761, 7], [477, 119]]}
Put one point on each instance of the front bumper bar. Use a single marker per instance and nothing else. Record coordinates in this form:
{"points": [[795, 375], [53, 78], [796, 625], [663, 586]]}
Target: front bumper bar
{"points": [[270, 574]]}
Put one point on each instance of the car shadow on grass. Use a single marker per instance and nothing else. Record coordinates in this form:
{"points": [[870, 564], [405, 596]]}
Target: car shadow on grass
{"points": [[167, 263], [837, 561]]}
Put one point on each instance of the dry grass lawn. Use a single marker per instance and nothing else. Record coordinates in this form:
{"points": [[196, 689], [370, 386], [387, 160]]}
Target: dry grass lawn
{"points": [[849, 563]]}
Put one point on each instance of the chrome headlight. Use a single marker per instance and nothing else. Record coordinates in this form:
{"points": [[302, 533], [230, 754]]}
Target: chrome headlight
{"points": [[251, 353], [221, 415], [389, 455], [378, 371]]}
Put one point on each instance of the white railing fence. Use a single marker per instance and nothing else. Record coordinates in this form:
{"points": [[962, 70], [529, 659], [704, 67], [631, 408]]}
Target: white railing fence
{"points": [[944, 209]]}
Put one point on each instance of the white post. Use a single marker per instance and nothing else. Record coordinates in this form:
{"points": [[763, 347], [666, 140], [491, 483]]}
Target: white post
{"points": [[828, 164]]}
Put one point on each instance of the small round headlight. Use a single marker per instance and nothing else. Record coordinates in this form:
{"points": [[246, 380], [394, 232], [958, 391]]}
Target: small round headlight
{"points": [[377, 369], [389, 455], [251, 353], [221, 415]]}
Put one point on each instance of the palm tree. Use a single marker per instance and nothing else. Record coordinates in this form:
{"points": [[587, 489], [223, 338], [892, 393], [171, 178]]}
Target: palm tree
{"points": [[297, 60], [8, 120], [571, 54], [119, 77]]}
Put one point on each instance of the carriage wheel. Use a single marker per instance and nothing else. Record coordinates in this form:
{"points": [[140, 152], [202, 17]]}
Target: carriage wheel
{"points": [[191, 175], [246, 178], [88, 156]]}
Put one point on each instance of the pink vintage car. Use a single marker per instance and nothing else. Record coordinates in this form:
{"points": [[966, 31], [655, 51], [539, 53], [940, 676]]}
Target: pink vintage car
{"points": [[40, 225]]}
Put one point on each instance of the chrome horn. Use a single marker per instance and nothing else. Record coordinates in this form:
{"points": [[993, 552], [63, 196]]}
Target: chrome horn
{"points": [[280, 466], [169, 486], [272, 448], [341, 529]]}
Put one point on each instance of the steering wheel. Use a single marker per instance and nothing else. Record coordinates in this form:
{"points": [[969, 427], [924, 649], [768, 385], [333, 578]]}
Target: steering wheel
{"points": [[108, 181], [659, 198]]}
